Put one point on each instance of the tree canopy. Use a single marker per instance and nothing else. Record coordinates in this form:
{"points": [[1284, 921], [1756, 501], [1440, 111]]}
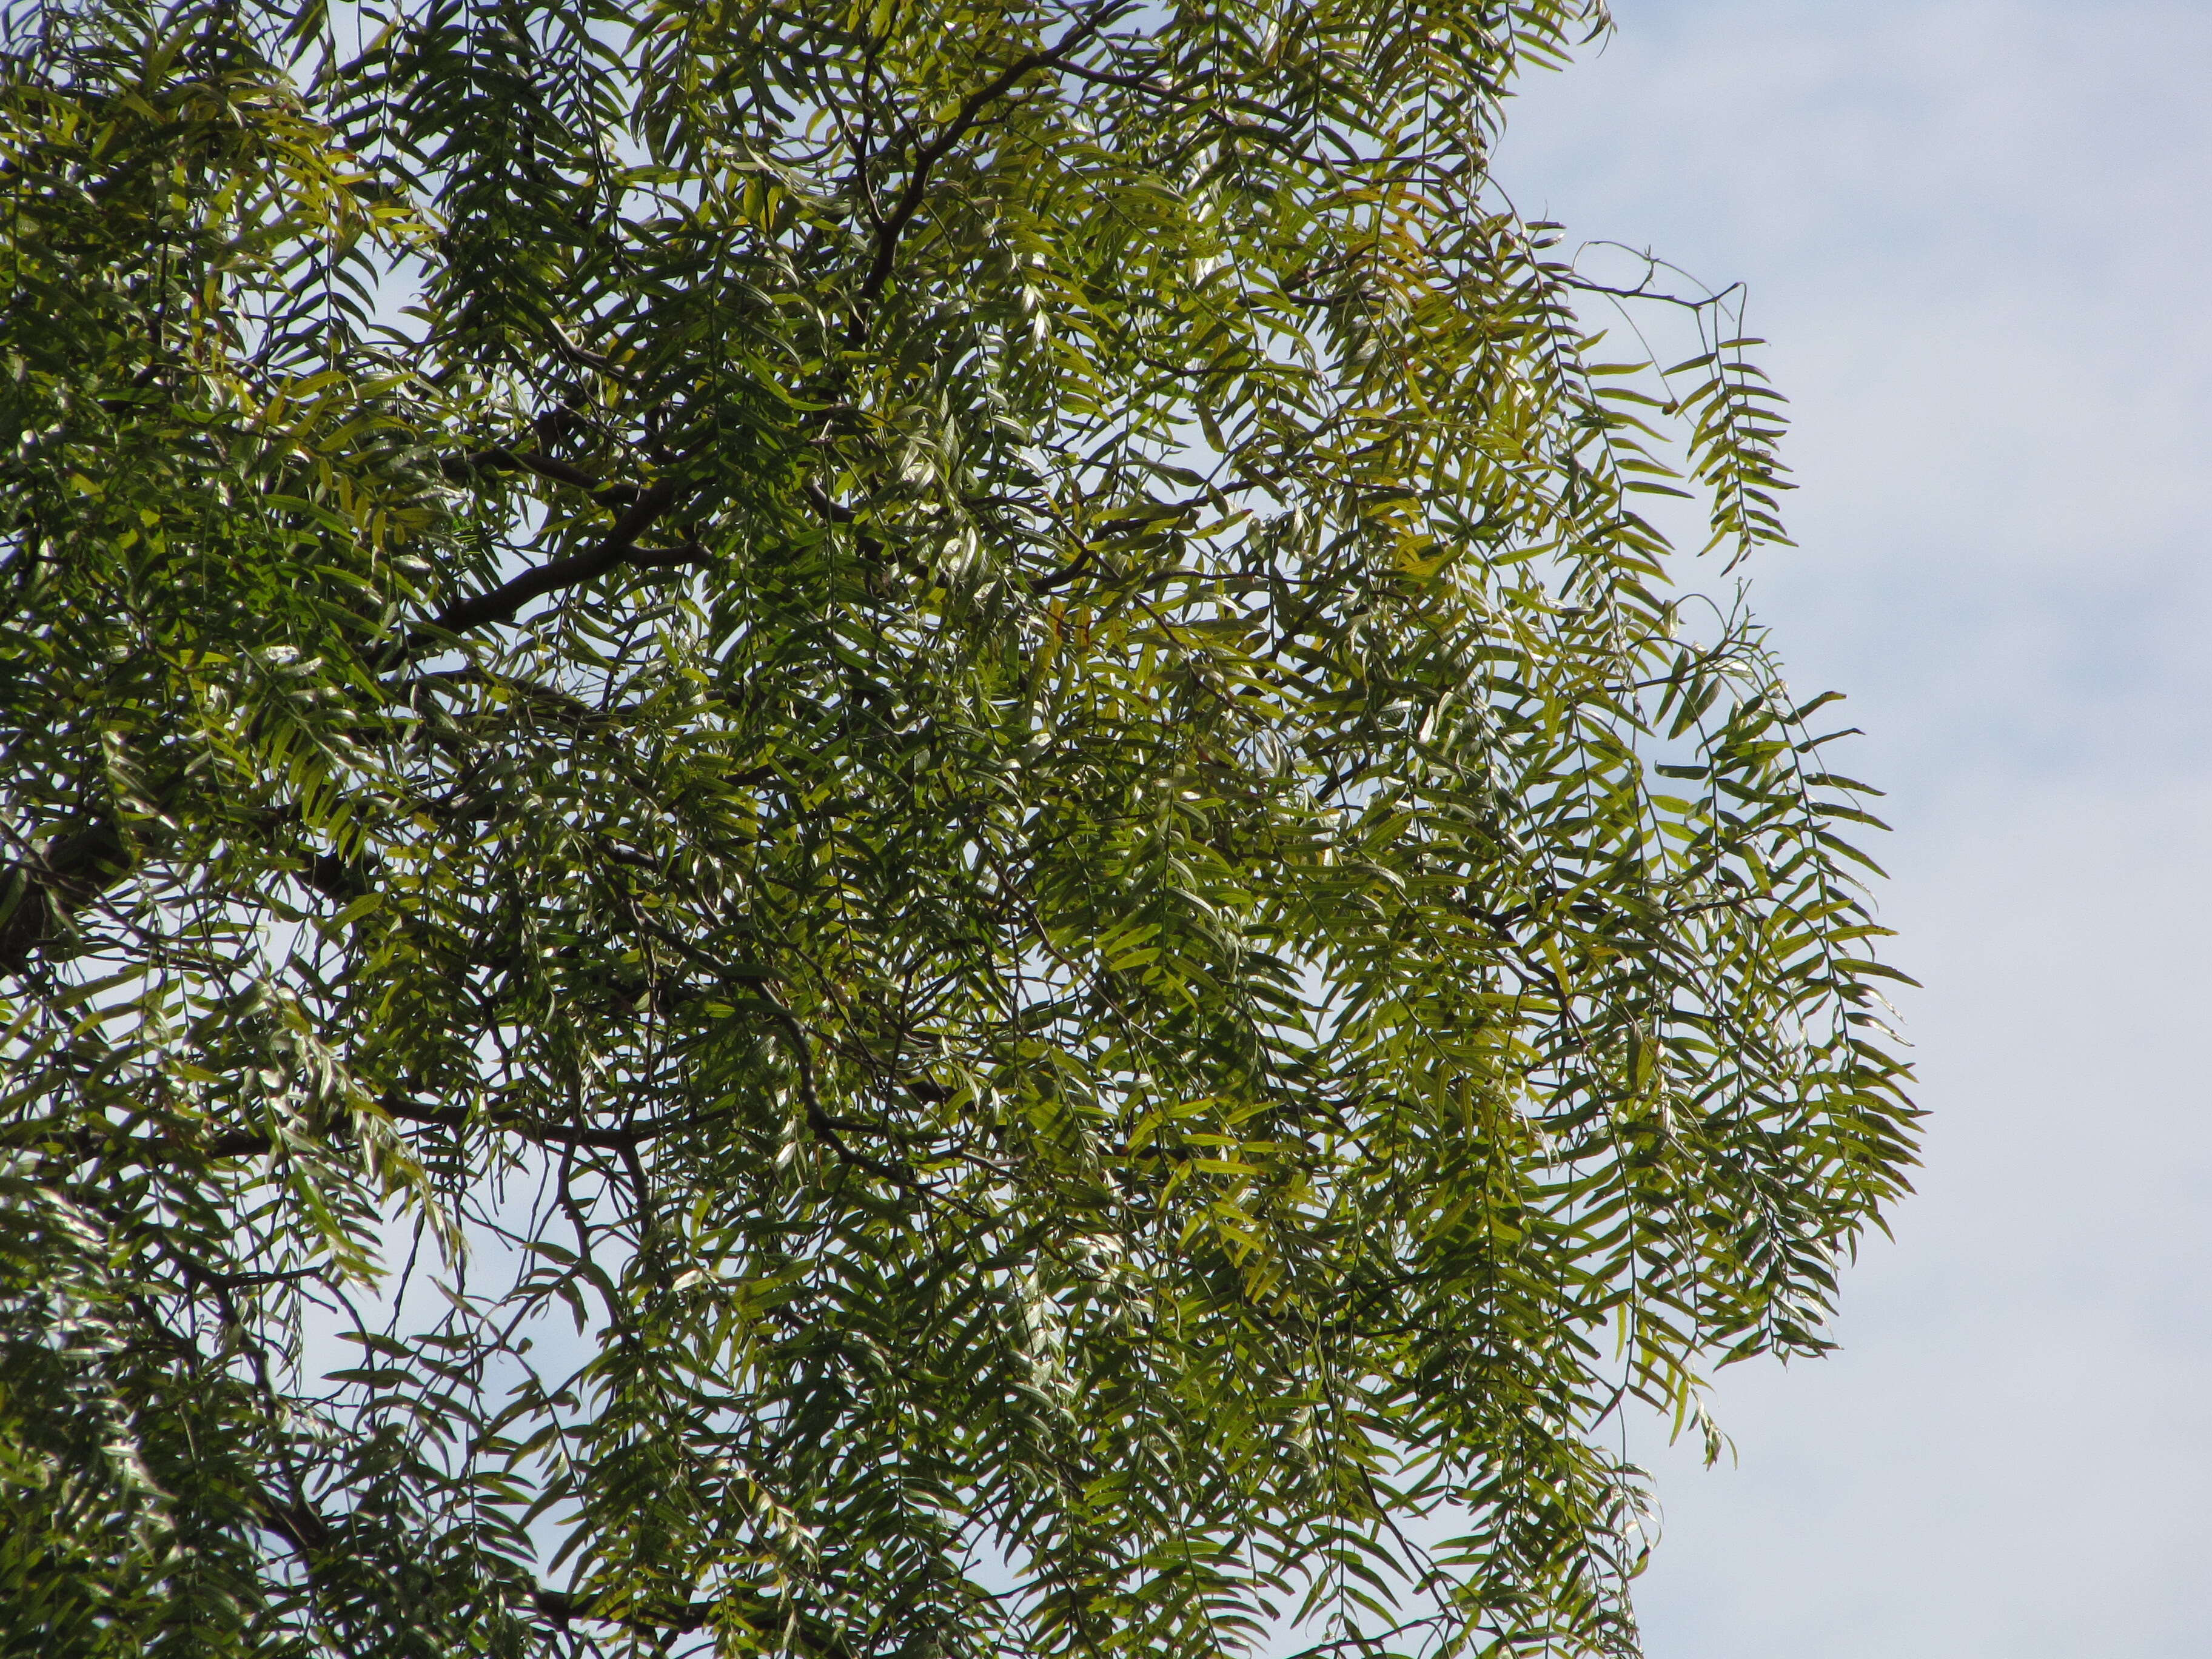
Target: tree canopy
{"points": [[874, 827]]}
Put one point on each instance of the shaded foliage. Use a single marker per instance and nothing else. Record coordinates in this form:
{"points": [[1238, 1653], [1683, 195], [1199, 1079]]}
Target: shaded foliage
{"points": [[871, 829]]}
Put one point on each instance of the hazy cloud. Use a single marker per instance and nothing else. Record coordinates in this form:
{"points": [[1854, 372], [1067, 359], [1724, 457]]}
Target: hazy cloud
{"points": [[1975, 234]]}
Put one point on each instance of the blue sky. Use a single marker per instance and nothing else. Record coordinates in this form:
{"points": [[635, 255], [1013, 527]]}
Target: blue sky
{"points": [[1977, 233]]}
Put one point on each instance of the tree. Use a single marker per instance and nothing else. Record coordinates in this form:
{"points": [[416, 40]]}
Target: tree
{"points": [[872, 830]]}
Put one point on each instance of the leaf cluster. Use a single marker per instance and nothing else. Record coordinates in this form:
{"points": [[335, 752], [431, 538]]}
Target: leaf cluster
{"points": [[871, 827]]}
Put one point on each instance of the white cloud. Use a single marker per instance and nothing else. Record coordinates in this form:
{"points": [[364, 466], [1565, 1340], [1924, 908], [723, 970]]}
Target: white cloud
{"points": [[1974, 232]]}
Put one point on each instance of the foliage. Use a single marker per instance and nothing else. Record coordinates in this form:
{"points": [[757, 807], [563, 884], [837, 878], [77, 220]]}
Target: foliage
{"points": [[871, 829]]}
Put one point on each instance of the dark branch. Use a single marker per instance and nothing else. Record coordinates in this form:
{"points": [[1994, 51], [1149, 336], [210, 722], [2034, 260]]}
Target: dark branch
{"points": [[564, 1610], [310, 1535], [598, 363], [1107, 78], [971, 110], [80, 1144], [764, 1612], [618, 546], [1059, 578], [39, 895], [611, 495], [837, 513]]}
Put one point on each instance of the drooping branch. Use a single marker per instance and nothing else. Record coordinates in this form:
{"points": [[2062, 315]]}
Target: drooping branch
{"points": [[312, 1537], [971, 110], [81, 1142]]}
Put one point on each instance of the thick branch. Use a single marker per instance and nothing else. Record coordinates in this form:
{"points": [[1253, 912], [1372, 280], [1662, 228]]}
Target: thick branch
{"points": [[39, 895], [617, 547]]}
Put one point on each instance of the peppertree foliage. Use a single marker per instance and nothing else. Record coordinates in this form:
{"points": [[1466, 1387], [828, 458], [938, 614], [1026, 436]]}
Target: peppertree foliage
{"points": [[871, 827]]}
